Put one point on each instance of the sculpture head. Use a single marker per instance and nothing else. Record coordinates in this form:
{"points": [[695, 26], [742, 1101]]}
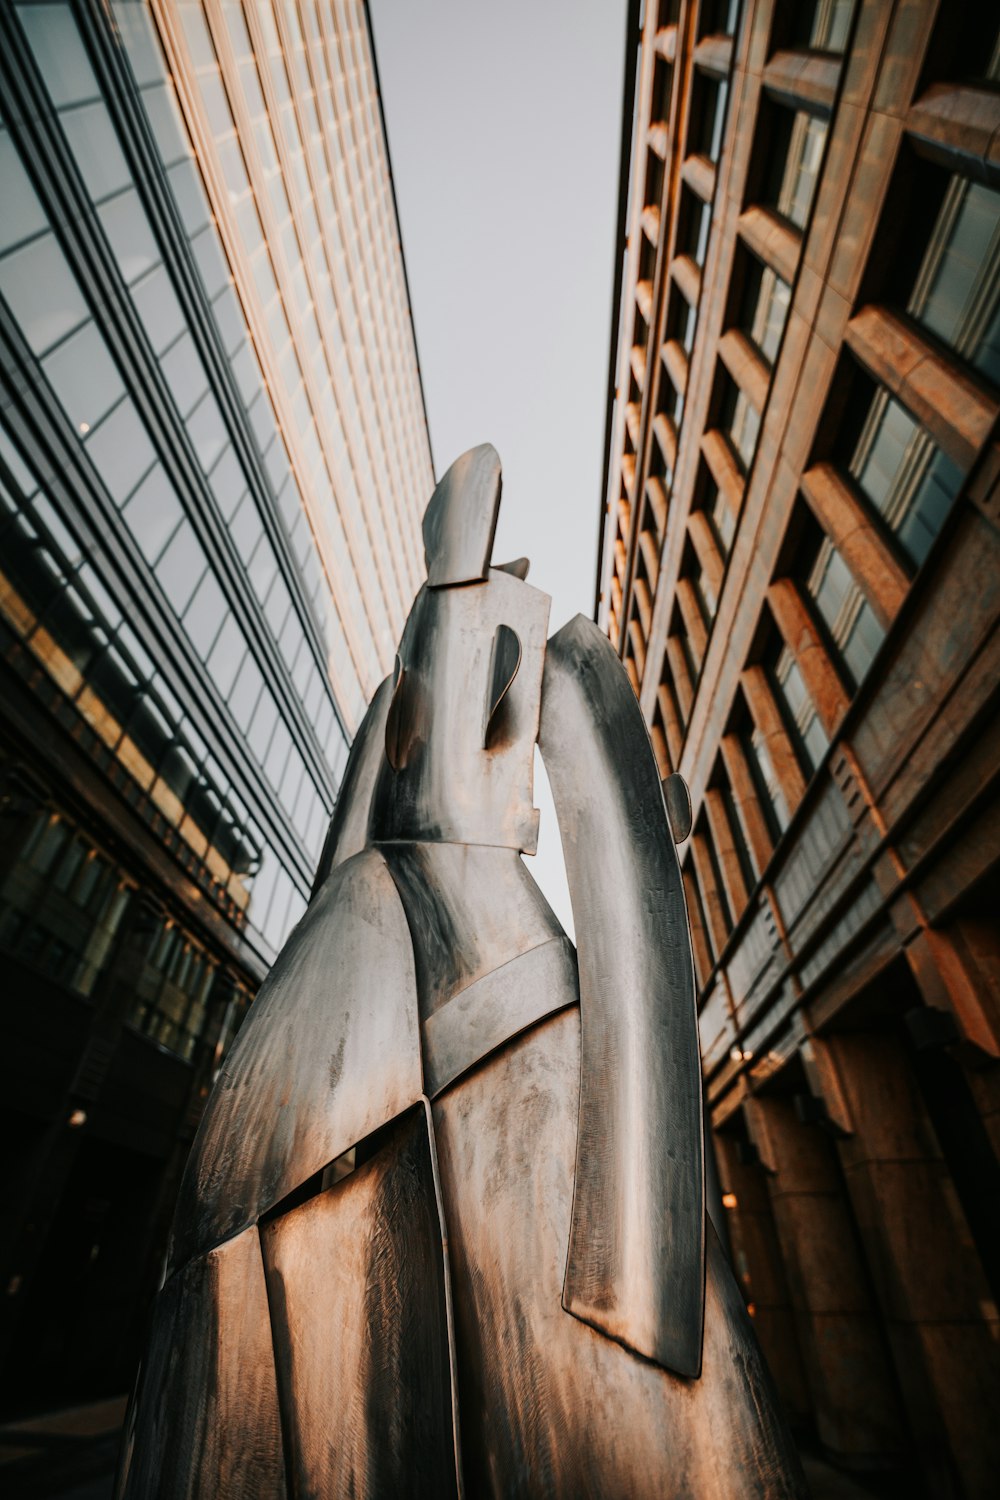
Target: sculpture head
{"points": [[463, 719]]}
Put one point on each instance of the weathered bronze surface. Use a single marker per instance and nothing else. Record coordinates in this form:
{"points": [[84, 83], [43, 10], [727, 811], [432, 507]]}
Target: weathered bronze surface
{"points": [[443, 1227]]}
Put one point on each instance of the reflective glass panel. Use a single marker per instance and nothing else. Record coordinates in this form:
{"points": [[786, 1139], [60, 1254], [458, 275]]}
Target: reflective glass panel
{"points": [[957, 292], [153, 513], [84, 377], [23, 215], [94, 143], [121, 450], [59, 52], [909, 480], [42, 292]]}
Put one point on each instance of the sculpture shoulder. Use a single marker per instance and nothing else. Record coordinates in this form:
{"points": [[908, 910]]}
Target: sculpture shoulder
{"points": [[328, 1054]]}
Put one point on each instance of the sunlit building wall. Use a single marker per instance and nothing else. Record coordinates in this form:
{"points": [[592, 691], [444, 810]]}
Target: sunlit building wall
{"points": [[799, 569], [213, 463]]}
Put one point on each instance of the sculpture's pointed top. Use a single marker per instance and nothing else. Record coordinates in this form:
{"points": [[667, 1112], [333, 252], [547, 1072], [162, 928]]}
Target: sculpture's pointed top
{"points": [[461, 518]]}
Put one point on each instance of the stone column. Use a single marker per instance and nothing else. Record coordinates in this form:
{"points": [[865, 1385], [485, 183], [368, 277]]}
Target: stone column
{"points": [[848, 1370], [938, 1308], [760, 1270]]}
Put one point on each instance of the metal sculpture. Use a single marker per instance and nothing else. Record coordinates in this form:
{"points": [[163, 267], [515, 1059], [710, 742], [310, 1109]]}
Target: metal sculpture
{"points": [[443, 1228]]}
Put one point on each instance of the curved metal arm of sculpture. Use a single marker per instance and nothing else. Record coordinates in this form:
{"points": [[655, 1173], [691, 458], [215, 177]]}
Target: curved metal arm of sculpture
{"points": [[636, 1262], [348, 831]]}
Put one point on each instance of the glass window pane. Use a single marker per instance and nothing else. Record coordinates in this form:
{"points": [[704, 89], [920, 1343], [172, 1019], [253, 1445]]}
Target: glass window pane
{"points": [[153, 514], [158, 307], [909, 480], [245, 692], [848, 616], [59, 52], [246, 529], [136, 31], [957, 293], [263, 567], [22, 215], [84, 377], [228, 483], [207, 431], [205, 614], [121, 450], [808, 730], [94, 143], [226, 656], [184, 373], [262, 725], [129, 234], [189, 195], [42, 292], [166, 123], [796, 153], [211, 262], [181, 567]]}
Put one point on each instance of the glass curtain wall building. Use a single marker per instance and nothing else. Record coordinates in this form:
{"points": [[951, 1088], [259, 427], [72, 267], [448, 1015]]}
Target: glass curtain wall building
{"points": [[213, 463], [799, 564]]}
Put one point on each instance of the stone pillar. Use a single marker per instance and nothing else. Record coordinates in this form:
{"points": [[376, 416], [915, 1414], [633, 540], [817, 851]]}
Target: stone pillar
{"points": [[938, 1308], [760, 1270], [850, 1379]]}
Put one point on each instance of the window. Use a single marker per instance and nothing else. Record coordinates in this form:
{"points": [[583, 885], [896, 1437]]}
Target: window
{"points": [[740, 420], [850, 620], [821, 25], [794, 156], [763, 307], [708, 117], [770, 793], [956, 295], [720, 515], [61, 904], [807, 733], [172, 986], [908, 480], [694, 226]]}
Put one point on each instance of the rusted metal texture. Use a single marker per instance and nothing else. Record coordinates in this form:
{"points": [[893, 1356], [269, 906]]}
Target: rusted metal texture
{"points": [[637, 1245], [449, 787], [204, 1422], [348, 831], [550, 1407], [356, 1279], [329, 1052], [461, 519]]}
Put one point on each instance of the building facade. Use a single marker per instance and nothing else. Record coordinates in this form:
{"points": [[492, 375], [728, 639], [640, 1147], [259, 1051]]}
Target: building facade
{"points": [[800, 567], [213, 462]]}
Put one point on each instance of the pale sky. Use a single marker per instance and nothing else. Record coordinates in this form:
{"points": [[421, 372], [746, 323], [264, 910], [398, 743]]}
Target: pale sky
{"points": [[504, 123]]}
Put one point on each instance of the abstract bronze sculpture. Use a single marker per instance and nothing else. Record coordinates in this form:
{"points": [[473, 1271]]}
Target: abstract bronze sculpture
{"points": [[442, 1230]]}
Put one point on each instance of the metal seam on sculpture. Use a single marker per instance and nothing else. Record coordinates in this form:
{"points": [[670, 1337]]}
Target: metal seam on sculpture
{"points": [[564, 945], [448, 1299]]}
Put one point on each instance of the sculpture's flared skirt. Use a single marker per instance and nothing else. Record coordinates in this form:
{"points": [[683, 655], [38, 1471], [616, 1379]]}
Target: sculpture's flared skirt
{"points": [[337, 1349]]}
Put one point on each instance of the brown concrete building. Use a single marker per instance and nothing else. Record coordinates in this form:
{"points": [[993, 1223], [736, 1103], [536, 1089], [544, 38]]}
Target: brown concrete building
{"points": [[800, 567]]}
